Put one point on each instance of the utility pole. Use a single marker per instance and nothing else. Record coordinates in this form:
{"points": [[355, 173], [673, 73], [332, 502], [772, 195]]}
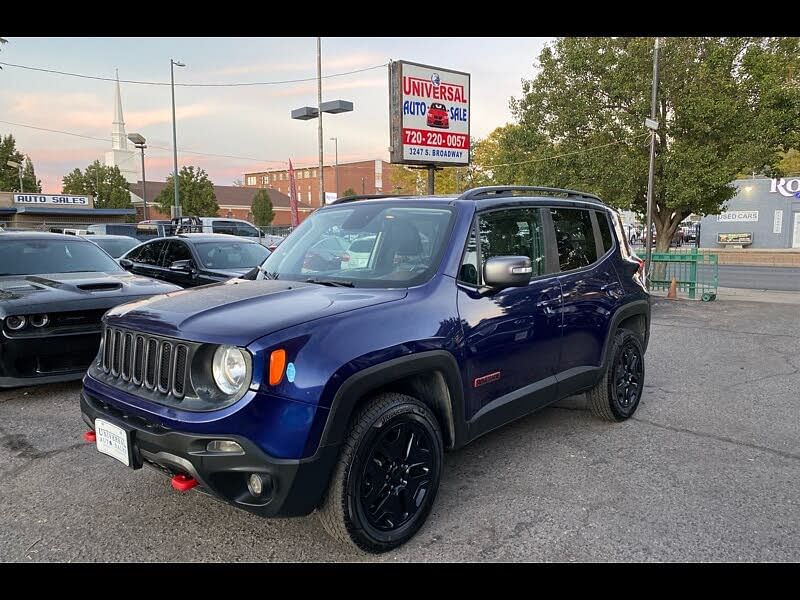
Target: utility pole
{"points": [[172, 64], [652, 125], [319, 109]]}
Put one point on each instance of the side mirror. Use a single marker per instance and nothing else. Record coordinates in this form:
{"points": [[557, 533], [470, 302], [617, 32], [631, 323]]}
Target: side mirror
{"points": [[182, 266], [507, 271], [125, 264]]}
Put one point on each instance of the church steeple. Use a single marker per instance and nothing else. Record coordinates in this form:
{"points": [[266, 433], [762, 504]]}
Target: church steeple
{"points": [[119, 141], [120, 155]]}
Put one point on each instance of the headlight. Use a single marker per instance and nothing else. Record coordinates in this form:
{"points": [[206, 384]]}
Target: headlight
{"points": [[15, 323], [229, 367]]}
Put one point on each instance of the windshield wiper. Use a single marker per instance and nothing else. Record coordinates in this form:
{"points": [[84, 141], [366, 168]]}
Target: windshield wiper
{"points": [[332, 282]]}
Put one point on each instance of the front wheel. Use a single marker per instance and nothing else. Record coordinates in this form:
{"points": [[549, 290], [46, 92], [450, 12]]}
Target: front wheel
{"points": [[385, 482], [616, 396]]}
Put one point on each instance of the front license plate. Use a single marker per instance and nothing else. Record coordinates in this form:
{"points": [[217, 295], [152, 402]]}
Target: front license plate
{"points": [[112, 440]]}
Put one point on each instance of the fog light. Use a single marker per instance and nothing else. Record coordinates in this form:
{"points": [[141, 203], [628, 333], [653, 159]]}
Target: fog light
{"points": [[255, 484], [15, 323], [226, 446], [39, 320]]}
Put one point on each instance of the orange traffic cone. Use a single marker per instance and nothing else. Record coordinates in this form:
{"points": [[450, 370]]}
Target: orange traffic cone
{"points": [[673, 290]]}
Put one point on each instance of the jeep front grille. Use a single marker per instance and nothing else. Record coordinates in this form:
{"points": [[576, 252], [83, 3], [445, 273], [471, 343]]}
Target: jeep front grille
{"points": [[158, 364]]}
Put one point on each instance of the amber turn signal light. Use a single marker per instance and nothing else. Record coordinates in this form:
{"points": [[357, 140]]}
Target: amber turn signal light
{"points": [[277, 365]]}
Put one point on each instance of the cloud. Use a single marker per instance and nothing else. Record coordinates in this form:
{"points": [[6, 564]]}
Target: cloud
{"points": [[331, 86], [329, 65], [90, 114]]}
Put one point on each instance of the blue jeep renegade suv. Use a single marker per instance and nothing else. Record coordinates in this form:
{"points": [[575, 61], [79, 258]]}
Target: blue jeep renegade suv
{"points": [[316, 385]]}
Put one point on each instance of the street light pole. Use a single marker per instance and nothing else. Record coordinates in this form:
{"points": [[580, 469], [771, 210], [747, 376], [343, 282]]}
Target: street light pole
{"points": [[172, 64], [319, 109], [139, 142], [336, 172], [651, 174]]}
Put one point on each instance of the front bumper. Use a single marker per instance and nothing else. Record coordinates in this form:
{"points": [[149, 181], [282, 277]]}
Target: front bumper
{"points": [[297, 485], [47, 358]]}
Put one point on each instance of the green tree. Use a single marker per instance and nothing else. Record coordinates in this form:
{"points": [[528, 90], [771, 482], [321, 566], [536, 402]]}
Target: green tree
{"points": [[348, 192], [196, 193], [9, 176], [106, 184], [790, 163], [262, 208], [725, 106]]}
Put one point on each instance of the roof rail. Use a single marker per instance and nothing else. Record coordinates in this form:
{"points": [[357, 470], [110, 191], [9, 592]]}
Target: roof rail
{"points": [[494, 191], [366, 197]]}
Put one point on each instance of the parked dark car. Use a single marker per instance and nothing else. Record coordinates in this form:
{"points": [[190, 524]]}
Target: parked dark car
{"points": [[192, 259], [437, 116], [53, 290], [115, 245], [338, 389]]}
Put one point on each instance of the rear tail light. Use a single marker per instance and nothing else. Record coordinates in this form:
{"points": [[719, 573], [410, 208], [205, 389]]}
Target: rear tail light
{"points": [[641, 265], [345, 257]]}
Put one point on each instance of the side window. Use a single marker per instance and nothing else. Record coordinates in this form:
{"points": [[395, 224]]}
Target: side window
{"points": [[574, 237], [176, 251], [228, 227], [513, 232], [605, 229], [148, 254], [246, 230], [469, 265]]}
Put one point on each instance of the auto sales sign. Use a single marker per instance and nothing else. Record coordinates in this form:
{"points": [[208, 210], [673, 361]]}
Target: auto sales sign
{"points": [[429, 115]]}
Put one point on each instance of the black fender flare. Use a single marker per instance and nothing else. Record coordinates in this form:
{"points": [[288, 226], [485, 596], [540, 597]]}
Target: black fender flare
{"points": [[357, 385], [639, 307]]}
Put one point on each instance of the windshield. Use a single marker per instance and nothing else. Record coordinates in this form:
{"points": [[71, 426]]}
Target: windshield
{"points": [[393, 245], [116, 247], [35, 257], [230, 255]]}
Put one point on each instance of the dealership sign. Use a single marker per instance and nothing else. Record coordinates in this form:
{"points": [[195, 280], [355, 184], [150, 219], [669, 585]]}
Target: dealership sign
{"points": [[741, 216], [50, 200], [785, 187], [429, 115]]}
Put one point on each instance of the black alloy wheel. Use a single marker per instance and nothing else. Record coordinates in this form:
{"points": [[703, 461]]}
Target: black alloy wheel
{"points": [[628, 376], [397, 475]]}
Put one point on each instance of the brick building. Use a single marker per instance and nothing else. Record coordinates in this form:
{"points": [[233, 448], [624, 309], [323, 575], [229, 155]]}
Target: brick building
{"points": [[364, 177], [234, 202]]}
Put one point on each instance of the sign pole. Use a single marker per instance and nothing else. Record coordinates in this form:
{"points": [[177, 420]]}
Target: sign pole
{"points": [[431, 179]]}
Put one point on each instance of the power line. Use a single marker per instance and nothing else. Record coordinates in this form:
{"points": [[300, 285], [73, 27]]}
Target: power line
{"points": [[533, 160], [105, 140], [169, 148], [241, 84]]}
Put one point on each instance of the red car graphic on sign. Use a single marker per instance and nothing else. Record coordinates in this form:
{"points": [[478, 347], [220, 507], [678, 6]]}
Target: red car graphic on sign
{"points": [[437, 116]]}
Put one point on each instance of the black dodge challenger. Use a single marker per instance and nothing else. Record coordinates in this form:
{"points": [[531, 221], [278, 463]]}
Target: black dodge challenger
{"points": [[53, 291]]}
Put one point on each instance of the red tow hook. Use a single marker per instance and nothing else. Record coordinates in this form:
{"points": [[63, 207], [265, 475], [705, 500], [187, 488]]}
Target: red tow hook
{"points": [[90, 436], [183, 483]]}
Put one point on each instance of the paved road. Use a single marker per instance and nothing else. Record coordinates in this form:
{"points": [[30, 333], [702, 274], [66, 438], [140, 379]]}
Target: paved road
{"points": [[759, 278], [707, 470]]}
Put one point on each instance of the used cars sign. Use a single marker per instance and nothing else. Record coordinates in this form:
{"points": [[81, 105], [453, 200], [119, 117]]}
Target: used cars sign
{"points": [[429, 115], [50, 199]]}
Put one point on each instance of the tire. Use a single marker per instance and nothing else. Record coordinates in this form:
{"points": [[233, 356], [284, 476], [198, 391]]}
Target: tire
{"points": [[374, 460], [618, 401]]}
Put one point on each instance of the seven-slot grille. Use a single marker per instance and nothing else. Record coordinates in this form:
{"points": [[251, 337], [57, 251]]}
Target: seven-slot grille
{"points": [[159, 364]]}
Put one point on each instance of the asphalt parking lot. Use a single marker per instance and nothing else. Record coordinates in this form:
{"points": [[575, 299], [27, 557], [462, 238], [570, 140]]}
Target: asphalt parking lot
{"points": [[707, 470]]}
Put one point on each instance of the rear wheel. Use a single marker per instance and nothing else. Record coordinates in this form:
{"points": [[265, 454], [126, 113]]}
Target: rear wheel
{"points": [[387, 476], [616, 396]]}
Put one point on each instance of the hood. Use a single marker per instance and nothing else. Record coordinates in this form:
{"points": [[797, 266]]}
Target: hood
{"points": [[28, 294], [239, 311]]}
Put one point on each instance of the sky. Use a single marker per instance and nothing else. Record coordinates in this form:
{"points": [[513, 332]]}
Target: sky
{"points": [[249, 122]]}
